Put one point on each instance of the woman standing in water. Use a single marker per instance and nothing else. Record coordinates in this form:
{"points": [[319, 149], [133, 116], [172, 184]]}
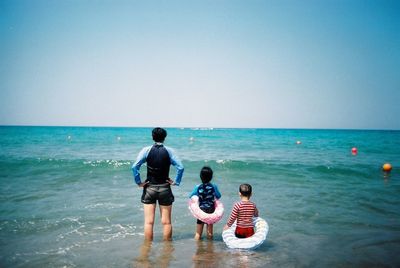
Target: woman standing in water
{"points": [[157, 186]]}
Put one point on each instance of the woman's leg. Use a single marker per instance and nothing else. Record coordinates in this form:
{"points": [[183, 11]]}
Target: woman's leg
{"points": [[165, 212], [149, 212]]}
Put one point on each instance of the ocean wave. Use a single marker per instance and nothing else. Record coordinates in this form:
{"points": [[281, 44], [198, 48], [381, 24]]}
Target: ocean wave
{"points": [[10, 167], [110, 162], [51, 163], [104, 206], [70, 233]]}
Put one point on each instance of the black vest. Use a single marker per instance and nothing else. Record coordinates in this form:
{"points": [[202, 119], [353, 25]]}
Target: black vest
{"points": [[158, 163]]}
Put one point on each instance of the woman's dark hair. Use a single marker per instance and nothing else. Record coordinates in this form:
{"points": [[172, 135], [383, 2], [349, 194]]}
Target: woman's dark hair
{"points": [[206, 174], [245, 189], [159, 134]]}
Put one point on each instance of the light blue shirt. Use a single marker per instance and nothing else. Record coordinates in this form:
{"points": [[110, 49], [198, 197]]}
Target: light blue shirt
{"points": [[142, 156]]}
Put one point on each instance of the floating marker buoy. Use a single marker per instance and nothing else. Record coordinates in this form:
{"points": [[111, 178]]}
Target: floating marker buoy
{"points": [[298, 142], [387, 167], [354, 150]]}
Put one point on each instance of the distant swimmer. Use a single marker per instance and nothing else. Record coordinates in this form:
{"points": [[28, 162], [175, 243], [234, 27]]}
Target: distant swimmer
{"points": [[69, 137]]}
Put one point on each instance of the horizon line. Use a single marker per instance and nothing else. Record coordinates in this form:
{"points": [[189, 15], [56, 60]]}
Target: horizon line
{"points": [[198, 127]]}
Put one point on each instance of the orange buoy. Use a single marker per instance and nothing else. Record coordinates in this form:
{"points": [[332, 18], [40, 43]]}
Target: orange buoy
{"points": [[387, 167], [354, 150]]}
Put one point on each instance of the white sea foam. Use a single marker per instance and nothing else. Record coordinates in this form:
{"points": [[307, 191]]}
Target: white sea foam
{"points": [[115, 163]]}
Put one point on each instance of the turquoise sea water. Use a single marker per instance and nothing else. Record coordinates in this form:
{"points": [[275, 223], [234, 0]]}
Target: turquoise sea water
{"points": [[68, 198]]}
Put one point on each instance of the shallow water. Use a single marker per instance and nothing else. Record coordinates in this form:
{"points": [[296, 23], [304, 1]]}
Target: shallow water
{"points": [[68, 198]]}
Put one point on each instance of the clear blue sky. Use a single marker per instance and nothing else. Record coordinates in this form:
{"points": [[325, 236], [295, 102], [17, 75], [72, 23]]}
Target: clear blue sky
{"points": [[267, 64]]}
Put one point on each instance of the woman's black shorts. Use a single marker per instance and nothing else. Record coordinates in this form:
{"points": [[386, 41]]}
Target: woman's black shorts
{"points": [[160, 192]]}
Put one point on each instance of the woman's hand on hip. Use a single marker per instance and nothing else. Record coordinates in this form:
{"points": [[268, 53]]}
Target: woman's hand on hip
{"points": [[143, 184]]}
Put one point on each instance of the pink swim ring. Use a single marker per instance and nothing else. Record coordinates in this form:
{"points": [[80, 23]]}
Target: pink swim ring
{"points": [[209, 218]]}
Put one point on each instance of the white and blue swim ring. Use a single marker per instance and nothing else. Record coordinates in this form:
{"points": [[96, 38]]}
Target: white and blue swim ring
{"points": [[261, 230]]}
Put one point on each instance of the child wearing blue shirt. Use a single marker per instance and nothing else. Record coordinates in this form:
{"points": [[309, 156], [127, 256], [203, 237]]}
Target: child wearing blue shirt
{"points": [[207, 193]]}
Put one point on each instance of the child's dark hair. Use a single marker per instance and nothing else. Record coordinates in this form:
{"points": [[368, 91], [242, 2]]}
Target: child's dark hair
{"points": [[159, 134], [245, 189], [206, 174]]}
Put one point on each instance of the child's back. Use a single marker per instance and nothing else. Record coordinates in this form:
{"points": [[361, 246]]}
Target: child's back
{"points": [[206, 194], [243, 213]]}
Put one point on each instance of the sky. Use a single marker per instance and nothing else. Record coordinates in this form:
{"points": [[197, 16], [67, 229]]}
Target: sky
{"points": [[245, 64]]}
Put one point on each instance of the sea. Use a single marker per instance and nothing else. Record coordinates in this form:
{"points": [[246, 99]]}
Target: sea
{"points": [[68, 198]]}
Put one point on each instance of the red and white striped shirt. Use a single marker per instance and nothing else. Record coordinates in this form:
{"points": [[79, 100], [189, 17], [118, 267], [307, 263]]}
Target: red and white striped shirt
{"points": [[243, 212]]}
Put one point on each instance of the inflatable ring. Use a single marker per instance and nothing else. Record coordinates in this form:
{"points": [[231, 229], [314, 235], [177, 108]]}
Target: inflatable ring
{"points": [[209, 218], [252, 242]]}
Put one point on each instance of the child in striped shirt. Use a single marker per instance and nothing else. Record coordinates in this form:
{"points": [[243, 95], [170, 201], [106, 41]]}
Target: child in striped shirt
{"points": [[243, 212]]}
